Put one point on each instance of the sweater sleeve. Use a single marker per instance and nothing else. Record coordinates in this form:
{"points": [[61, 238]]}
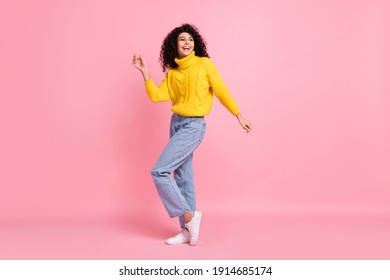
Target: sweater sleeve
{"points": [[157, 93], [219, 88]]}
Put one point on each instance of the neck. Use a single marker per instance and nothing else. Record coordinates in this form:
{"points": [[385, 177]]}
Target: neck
{"points": [[186, 61]]}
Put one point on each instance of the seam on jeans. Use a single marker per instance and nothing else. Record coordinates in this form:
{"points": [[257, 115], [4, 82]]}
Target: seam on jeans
{"points": [[187, 155], [177, 195]]}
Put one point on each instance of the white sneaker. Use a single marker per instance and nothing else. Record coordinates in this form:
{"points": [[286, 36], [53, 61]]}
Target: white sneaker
{"points": [[180, 238], [193, 227]]}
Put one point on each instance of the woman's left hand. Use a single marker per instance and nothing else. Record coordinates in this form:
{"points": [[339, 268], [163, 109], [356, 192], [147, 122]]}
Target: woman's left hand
{"points": [[244, 123]]}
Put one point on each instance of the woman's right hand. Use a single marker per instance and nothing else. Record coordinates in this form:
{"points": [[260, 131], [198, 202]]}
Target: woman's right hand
{"points": [[140, 64]]}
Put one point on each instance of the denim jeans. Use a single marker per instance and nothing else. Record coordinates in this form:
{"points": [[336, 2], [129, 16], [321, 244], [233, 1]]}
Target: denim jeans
{"points": [[178, 193]]}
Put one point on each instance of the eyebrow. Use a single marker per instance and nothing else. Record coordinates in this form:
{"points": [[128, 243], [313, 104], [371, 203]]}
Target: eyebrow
{"points": [[185, 37]]}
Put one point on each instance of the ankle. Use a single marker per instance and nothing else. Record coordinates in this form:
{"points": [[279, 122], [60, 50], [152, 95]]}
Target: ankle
{"points": [[187, 217]]}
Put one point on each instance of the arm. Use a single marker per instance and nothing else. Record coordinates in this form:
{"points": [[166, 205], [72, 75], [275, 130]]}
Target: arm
{"points": [[222, 93], [220, 90], [156, 94]]}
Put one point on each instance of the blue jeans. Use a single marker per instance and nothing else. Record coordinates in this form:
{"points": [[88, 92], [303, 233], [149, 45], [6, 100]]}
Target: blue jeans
{"points": [[178, 193]]}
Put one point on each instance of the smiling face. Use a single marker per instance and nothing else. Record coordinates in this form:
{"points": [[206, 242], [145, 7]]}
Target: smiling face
{"points": [[185, 44]]}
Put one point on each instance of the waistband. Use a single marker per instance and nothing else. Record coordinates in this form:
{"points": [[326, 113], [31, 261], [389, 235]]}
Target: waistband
{"points": [[189, 117]]}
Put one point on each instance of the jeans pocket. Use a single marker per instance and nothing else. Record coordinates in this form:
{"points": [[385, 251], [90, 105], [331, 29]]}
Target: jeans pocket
{"points": [[194, 129], [202, 131]]}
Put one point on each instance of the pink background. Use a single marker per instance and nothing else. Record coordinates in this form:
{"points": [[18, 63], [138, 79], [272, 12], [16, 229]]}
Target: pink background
{"points": [[79, 135]]}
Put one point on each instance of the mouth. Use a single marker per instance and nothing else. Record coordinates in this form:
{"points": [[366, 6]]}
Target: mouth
{"points": [[186, 48]]}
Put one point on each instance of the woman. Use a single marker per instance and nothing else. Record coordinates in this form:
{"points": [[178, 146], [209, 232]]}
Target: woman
{"points": [[190, 82]]}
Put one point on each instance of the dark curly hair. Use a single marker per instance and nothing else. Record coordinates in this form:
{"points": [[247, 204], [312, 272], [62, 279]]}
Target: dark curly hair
{"points": [[169, 52]]}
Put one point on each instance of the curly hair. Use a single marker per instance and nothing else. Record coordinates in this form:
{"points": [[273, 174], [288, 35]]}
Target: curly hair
{"points": [[169, 52]]}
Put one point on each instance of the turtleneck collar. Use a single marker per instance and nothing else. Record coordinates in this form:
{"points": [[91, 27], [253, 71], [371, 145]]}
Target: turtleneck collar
{"points": [[187, 61]]}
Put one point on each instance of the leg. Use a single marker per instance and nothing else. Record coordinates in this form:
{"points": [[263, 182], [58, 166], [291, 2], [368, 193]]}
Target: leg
{"points": [[179, 149], [184, 177]]}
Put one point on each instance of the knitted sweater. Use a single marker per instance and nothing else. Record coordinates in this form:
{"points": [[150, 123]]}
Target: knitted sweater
{"points": [[190, 87]]}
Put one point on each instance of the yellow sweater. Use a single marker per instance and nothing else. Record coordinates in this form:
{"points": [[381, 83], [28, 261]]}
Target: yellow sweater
{"points": [[190, 87]]}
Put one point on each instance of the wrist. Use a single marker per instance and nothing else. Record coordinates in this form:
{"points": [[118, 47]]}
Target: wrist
{"points": [[146, 75]]}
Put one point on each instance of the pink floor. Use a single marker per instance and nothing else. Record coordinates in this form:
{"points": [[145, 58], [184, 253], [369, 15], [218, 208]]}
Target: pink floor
{"points": [[255, 236]]}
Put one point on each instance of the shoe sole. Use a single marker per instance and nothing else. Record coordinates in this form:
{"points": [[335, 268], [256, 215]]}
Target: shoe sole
{"points": [[176, 243]]}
